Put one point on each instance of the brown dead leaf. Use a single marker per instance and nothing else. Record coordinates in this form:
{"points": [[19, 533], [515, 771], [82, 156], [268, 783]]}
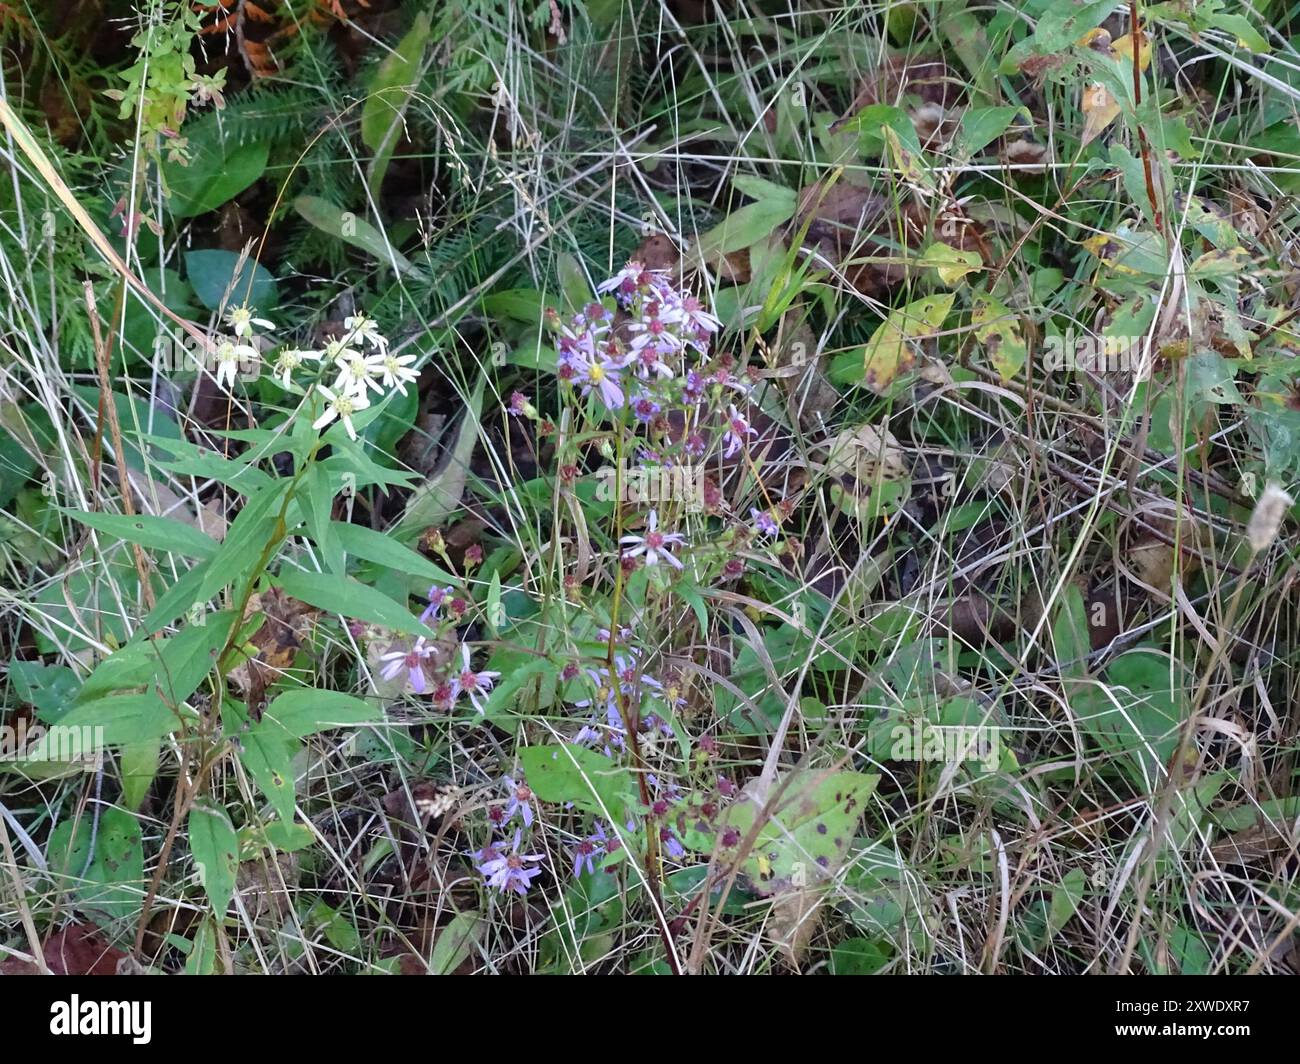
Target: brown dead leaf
{"points": [[796, 914], [658, 252], [1025, 153], [277, 641], [154, 497], [77, 949], [1099, 110], [266, 885], [798, 364], [843, 222]]}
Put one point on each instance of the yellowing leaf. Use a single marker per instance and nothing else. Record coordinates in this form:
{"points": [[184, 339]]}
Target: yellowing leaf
{"points": [[889, 351], [1123, 49], [809, 834], [1130, 252], [1219, 263], [949, 263], [904, 160], [998, 329], [1099, 111]]}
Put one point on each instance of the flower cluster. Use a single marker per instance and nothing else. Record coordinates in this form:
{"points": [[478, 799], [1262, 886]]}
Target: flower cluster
{"points": [[360, 361], [417, 665], [652, 357]]}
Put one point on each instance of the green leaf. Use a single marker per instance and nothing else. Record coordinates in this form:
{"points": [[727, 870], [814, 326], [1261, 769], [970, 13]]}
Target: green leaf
{"points": [[124, 718], [495, 612], [216, 852], [218, 171], [351, 598], [1065, 21], [1066, 896], [303, 713], [980, 126], [1070, 638], [1211, 379], [47, 687], [455, 942], [157, 533], [249, 535], [889, 351], [382, 123], [366, 543], [317, 503], [439, 497], [566, 773], [345, 225], [754, 222], [213, 273], [138, 765], [1136, 715], [112, 886], [860, 956], [267, 752], [1238, 25], [201, 959], [236, 473], [998, 329], [950, 263], [513, 680]]}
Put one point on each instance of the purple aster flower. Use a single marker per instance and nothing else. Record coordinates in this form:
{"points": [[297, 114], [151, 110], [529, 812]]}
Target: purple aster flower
{"points": [[521, 406], [693, 392], [586, 851], [645, 409], [672, 847], [508, 871], [412, 661], [521, 797], [474, 684], [763, 521], [649, 360], [588, 735], [737, 429], [654, 544], [700, 321], [634, 279], [653, 722], [437, 596], [630, 678]]}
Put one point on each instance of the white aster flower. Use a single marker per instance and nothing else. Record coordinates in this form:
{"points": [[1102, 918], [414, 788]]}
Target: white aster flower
{"points": [[357, 373], [396, 371], [230, 356], [366, 330], [342, 406], [242, 321], [289, 360]]}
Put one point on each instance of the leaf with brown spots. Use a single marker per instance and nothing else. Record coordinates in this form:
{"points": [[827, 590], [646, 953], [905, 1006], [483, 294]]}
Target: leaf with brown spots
{"points": [[809, 834]]}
